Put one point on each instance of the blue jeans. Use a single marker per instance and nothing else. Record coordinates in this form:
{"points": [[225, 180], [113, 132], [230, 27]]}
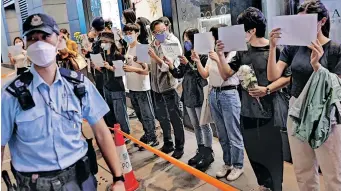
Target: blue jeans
{"points": [[203, 133], [225, 110], [143, 106], [118, 110]]}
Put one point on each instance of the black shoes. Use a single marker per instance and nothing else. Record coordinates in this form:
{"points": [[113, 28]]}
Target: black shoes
{"points": [[152, 143], [167, 149], [206, 160], [194, 161], [178, 153]]}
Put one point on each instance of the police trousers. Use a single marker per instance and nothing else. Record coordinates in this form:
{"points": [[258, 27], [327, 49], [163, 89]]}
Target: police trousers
{"points": [[306, 160], [64, 181]]}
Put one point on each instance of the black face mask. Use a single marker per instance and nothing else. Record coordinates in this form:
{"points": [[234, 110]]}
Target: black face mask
{"points": [[91, 40]]}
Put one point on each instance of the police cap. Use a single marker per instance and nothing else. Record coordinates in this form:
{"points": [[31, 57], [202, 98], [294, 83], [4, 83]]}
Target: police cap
{"points": [[40, 22]]}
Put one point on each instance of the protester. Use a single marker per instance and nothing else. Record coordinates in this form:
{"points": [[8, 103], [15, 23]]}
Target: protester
{"points": [[43, 127], [114, 90], [138, 84], [167, 22], [70, 44], [225, 108], [20, 61], [144, 35], [323, 54], [259, 124], [67, 59], [192, 97], [163, 84]]}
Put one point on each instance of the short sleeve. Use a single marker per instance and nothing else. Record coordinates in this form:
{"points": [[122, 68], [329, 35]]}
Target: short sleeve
{"points": [[8, 111], [235, 62], [287, 54], [337, 68], [94, 106]]}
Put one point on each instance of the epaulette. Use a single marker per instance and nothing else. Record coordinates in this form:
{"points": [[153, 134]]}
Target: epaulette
{"points": [[71, 76]]}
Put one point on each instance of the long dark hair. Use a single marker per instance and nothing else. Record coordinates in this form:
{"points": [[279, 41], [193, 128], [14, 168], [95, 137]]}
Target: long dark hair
{"points": [[214, 31], [64, 31], [144, 30], [317, 7], [189, 32], [130, 16], [23, 44]]}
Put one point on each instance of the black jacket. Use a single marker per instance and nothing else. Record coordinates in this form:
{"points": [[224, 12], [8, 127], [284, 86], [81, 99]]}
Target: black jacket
{"points": [[193, 83]]}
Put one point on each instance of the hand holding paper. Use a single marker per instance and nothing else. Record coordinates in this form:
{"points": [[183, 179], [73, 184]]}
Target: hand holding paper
{"points": [[97, 60], [233, 38], [15, 50], [171, 51], [203, 43], [293, 32]]}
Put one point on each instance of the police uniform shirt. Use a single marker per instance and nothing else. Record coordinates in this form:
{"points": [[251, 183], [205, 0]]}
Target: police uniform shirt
{"points": [[49, 137]]}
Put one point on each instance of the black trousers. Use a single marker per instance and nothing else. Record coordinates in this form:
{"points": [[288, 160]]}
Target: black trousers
{"points": [[168, 113], [263, 145]]}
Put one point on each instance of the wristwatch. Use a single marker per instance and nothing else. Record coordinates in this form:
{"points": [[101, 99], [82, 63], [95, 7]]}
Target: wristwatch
{"points": [[119, 178], [268, 92]]}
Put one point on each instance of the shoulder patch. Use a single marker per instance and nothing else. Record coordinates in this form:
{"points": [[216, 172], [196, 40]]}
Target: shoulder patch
{"points": [[19, 83]]}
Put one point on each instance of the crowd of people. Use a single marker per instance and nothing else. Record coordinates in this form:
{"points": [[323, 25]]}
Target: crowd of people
{"points": [[240, 121]]}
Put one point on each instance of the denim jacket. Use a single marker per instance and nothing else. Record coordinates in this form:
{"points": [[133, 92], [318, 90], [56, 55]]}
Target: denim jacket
{"points": [[315, 110]]}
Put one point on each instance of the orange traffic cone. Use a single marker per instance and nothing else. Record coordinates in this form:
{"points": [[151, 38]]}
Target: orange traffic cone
{"points": [[130, 183]]}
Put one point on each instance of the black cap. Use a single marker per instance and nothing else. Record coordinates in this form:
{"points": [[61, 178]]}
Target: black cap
{"points": [[108, 36], [40, 22], [98, 23]]}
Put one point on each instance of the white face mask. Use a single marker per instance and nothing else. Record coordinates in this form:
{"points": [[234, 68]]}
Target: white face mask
{"points": [[105, 46], [42, 54], [19, 44]]}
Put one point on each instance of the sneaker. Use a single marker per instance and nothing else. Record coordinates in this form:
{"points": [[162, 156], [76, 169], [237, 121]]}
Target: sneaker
{"points": [[223, 172], [127, 141], [152, 143], [261, 188], [167, 149], [143, 139], [194, 161], [235, 174], [132, 115], [178, 153]]}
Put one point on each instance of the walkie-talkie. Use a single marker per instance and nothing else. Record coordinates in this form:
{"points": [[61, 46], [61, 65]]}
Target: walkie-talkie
{"points": [[8, 182]]}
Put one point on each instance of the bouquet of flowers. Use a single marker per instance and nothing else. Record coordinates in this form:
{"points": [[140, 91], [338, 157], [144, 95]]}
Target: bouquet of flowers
{"points": [[78, 37], [248, 80]]}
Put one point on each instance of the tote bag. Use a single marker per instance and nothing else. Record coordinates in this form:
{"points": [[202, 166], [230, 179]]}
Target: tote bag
{"points": [[205, 116]]}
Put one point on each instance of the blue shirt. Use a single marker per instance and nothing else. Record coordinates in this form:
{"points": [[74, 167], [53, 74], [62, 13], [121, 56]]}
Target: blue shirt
{"points": [[49, 137]]}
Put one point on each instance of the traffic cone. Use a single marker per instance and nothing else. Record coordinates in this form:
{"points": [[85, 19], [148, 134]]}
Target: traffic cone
{"points": [[131, 184]]}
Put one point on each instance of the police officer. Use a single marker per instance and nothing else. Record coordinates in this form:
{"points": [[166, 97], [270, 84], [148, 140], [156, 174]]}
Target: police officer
{"points": [[42, 119]]}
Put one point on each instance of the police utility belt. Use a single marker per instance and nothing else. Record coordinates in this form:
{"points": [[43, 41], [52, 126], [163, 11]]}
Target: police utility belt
{"points": [[81, 169]]}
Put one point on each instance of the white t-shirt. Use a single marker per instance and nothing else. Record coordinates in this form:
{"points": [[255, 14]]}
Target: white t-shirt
{"points": [[215, 78], [135, 81]]}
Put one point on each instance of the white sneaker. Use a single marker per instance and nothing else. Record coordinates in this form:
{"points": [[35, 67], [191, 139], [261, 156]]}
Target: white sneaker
{"points": [[235, 174], [223, 172]]}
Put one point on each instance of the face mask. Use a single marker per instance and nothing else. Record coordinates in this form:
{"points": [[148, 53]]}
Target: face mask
{"points": [[188, 46], [129, 38], [161, 37], [21, 44], [105, 46], [248, 36], [91, 40], [62, 45], [42, 54]]}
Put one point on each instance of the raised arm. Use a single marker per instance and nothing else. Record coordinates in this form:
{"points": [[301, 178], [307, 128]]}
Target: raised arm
{"points": [[275, 69], [224, 67], [203, 71]]}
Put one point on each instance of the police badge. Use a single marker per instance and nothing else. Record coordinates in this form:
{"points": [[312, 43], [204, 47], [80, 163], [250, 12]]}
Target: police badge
{"points": [[36, 21]]}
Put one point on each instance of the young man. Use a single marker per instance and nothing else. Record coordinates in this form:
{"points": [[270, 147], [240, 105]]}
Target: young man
{"points": [[42, 118], [163, 86], [138, 84]]}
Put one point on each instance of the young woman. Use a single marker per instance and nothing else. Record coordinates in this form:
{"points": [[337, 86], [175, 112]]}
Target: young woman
{"points": [[70, 44], [259, 129], [114, 90], [129, 16], [303, 61], [192, 97], [20, 61], [225, 109], [145, 33]]}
